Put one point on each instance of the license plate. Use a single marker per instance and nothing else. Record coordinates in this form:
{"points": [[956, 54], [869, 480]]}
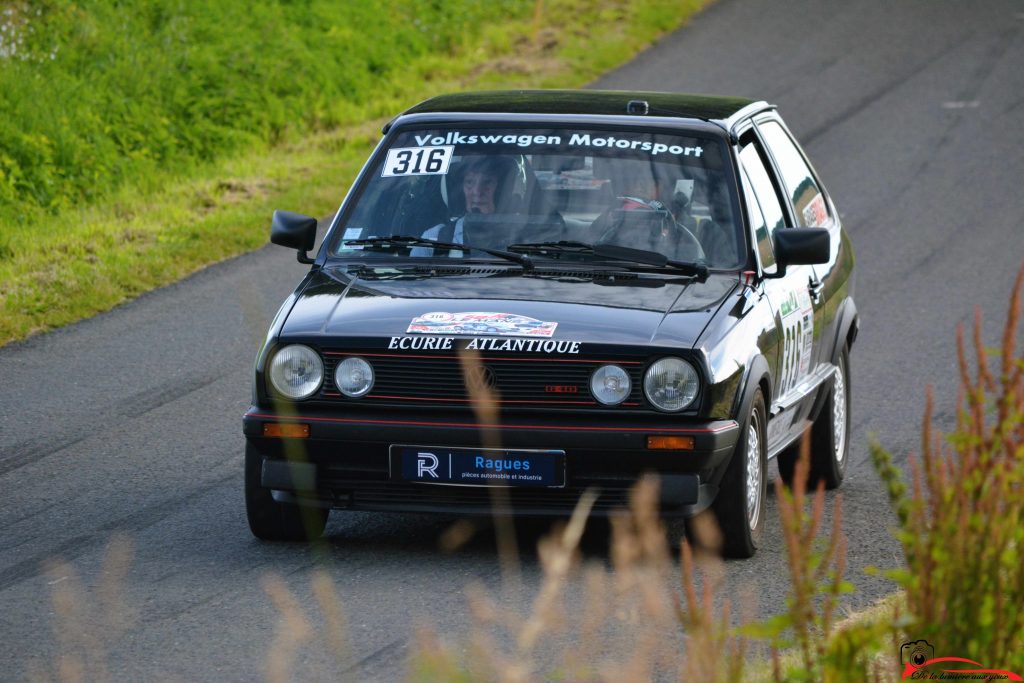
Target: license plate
{"points": [[478, 466]]}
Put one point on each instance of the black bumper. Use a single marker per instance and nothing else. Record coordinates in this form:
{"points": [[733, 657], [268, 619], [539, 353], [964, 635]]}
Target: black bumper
{"points": [[345, 461]]}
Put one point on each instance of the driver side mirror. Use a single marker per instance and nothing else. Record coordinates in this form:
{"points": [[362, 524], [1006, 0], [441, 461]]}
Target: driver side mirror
{"points": [[294, 230], [799, 246]]}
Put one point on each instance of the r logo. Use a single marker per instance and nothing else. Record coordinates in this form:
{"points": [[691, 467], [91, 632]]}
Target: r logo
{"points": [[426, 463]]}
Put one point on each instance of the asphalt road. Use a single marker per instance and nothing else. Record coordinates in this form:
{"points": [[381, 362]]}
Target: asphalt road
{"points": [[128, 426]]}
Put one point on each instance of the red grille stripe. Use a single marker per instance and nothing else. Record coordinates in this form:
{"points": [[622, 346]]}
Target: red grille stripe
{"points": [[469, 400], [508, 358], [731, 424]]}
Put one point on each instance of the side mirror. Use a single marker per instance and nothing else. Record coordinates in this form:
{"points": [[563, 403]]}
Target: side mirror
{"points": [[294, 230], [798, 247]]}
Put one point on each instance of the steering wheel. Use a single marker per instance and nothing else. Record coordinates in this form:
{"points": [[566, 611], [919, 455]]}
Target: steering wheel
{"points": [[679, 244], [689, 248]]}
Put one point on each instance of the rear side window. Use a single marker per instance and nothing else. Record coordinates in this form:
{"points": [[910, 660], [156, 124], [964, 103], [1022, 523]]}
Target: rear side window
{"points": [[808, 201]]}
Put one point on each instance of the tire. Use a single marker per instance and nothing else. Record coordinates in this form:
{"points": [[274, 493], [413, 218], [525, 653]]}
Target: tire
{"points": [[740, 504], [273, 521], [830, 435]]}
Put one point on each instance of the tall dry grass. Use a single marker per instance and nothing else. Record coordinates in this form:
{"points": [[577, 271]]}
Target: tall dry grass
{"points": [[961, 520], [646, 618], [87, 621]]}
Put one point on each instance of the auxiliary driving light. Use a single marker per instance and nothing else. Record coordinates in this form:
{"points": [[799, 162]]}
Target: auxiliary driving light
{"points": [[610, 385], [354, 377]]}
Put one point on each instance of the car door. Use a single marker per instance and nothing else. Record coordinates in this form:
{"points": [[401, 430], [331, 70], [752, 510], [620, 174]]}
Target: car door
{"points": [[810, 207], [790, 297]]}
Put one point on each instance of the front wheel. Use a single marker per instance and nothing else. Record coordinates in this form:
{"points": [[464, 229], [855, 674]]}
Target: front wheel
{"points": [[270, 520], [830, 434], [740, 504]]}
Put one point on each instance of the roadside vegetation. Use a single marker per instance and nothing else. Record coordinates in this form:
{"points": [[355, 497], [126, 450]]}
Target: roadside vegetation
{"points": [[962, 517], [141, 142]]}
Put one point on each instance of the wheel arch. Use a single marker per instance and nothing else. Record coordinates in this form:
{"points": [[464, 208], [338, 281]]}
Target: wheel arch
{"points": [[847, 329], [757, 376], [846, 334]]}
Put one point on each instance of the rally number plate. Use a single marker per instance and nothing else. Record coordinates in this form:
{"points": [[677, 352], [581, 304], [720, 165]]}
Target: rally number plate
{"points": [[478, 466]]}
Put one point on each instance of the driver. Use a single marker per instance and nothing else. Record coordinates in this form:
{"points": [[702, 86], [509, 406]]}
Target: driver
{"points": [[482, 192]]}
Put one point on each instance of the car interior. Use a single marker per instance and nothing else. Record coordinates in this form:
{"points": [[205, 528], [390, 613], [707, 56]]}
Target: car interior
{"points": [[547, 198]]}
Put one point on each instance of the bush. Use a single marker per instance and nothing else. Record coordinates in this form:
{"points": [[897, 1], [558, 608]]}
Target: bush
{"points": [[97, 92], [961, 523]]}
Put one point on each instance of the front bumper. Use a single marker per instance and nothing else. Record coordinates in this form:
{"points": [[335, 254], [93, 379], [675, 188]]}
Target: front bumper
{"points": [[344, 463]]}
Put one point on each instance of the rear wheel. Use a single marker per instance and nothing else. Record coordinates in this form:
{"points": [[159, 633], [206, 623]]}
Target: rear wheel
{"points": [[830, 442], [270, 520], [740, 504]]}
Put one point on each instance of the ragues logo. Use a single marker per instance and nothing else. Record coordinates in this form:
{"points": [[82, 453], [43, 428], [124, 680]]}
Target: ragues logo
{"points": [[920, 663]]}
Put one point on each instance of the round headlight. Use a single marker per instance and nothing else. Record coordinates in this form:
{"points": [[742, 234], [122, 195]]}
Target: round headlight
{"points": [[671, 384], [296, 372], [610, 385], [354, 377]]}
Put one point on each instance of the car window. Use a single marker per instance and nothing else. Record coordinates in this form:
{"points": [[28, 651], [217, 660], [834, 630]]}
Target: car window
{"points": [[808, 202], [496, 187], [765, 248], [761, 181]]}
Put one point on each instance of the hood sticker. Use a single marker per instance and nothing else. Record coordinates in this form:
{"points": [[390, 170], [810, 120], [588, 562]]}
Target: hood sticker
{"points": [[500, 324]]}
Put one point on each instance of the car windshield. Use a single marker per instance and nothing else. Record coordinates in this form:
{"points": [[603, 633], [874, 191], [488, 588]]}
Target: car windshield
{"points": [[531, 190]]}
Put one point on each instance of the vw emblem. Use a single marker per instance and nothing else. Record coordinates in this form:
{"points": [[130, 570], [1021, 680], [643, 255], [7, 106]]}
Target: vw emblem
{"points": [[479, 378]]}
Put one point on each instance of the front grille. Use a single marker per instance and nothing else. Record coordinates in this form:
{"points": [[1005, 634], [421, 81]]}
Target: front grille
{"points": [[423, 379]]}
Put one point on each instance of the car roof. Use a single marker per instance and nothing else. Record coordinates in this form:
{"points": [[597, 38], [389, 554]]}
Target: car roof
{"points": [[593, 102]]}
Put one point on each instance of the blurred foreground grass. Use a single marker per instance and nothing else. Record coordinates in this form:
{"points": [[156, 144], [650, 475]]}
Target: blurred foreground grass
{"points": [[139, 144]]}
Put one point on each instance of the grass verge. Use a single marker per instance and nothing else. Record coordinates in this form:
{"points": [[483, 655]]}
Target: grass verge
{"points": [[66, 263]]}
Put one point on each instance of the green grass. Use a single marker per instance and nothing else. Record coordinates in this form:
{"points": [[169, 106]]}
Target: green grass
{"points": [[166, 141]]}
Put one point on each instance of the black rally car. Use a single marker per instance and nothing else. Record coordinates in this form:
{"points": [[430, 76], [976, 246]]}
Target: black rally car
{"points": [[540, 292]]}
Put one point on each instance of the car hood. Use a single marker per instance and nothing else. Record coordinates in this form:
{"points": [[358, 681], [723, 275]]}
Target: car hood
{"points": [[625, 309]]}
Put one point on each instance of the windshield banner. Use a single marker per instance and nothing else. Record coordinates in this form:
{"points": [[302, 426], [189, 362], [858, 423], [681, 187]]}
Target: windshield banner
{"points": [[574, 140]]}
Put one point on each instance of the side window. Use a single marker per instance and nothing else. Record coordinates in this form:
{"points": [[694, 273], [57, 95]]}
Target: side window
{"points": [[764, 238], [761, 182], [808, 201]]}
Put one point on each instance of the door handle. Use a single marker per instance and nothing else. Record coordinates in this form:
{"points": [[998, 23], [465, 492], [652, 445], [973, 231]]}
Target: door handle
{"points": [[814, 286]]}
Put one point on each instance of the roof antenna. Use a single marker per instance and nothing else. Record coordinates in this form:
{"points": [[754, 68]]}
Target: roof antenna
{"points": [[637, 107]]}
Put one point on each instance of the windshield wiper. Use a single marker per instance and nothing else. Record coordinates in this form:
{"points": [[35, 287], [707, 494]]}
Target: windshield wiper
{"points": [[615, 252], [559, 246], [413, 241]]}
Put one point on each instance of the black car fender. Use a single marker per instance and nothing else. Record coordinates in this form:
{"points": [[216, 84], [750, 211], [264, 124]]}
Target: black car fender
{"points": [[847, 329], [756, 375]]}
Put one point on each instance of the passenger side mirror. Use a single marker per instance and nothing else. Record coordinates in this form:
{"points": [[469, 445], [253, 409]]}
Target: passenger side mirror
{"points": [[294, 230], [799, 246]]}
